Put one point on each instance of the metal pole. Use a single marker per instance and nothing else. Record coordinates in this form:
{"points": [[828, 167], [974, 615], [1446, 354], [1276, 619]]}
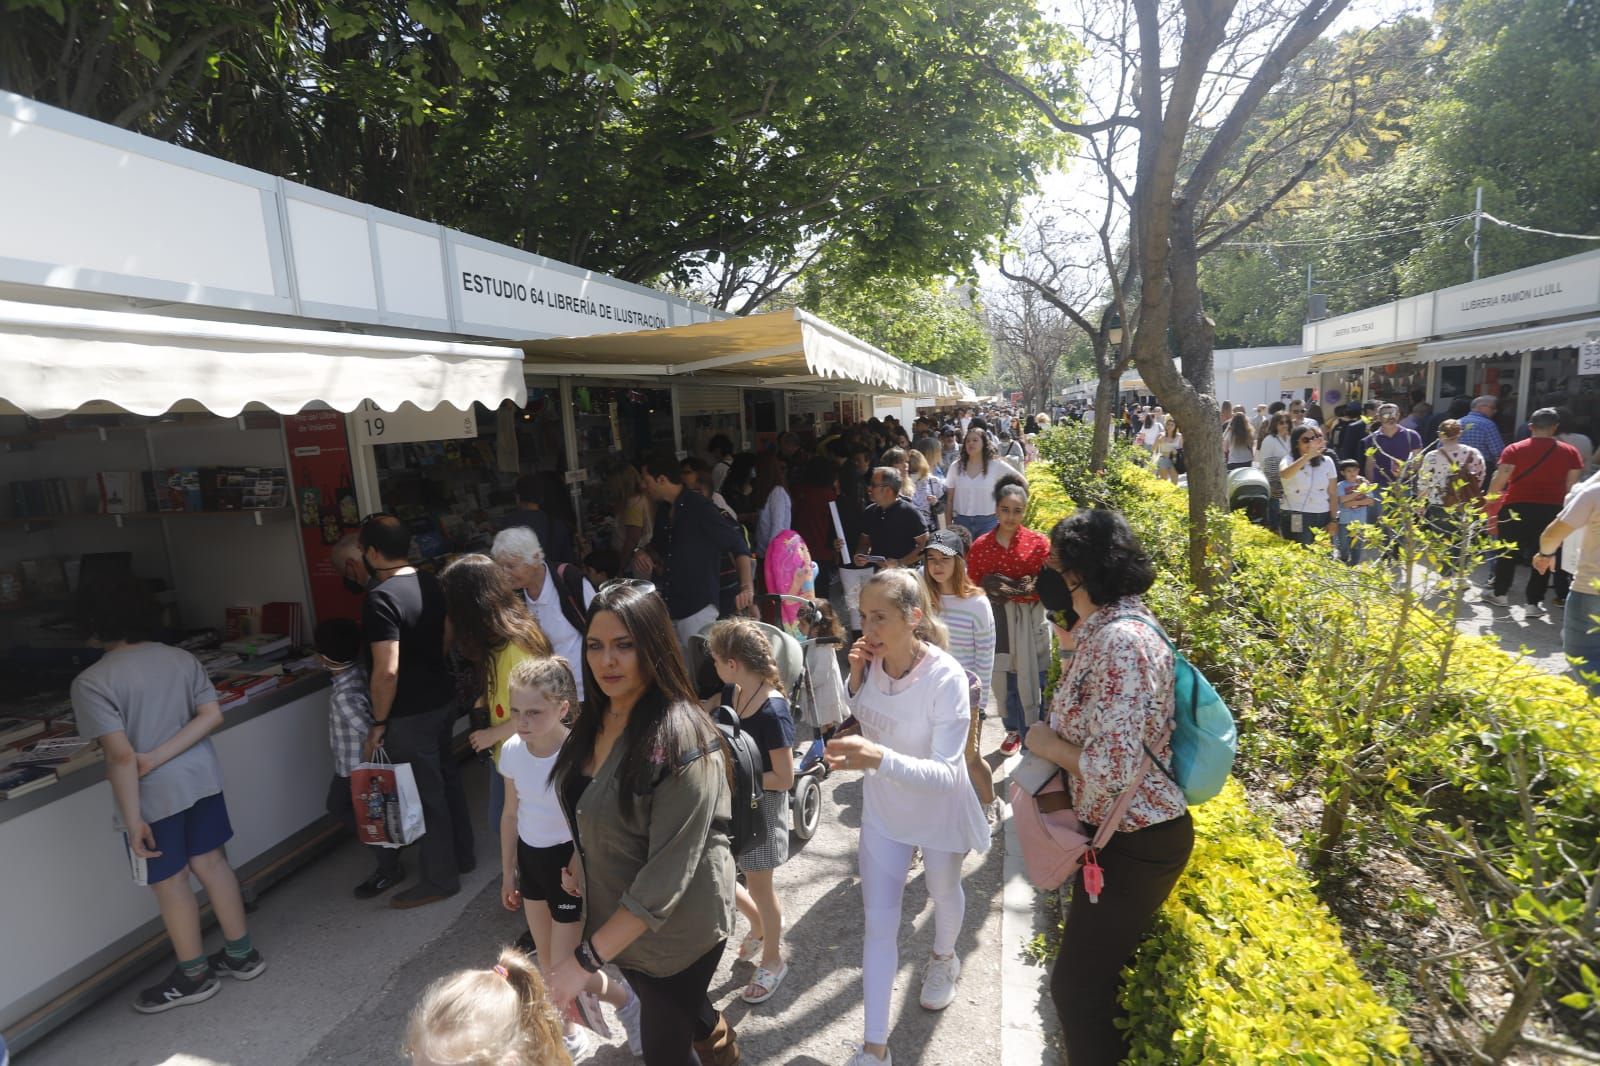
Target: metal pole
{"points": [[1477, 231]]}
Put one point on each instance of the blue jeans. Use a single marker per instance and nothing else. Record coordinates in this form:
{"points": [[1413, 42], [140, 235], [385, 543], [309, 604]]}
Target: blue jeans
{"points": [[977, 524], [1016, 716], [1580, 636], [1349, 551]]}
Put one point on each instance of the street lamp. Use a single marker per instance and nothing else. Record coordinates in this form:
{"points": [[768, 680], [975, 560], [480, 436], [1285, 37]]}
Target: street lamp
{"points": [[1113, 327]]}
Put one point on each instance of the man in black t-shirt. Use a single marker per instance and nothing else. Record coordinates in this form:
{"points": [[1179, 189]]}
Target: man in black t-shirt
{"points": [[414, 703], [891, 527]]}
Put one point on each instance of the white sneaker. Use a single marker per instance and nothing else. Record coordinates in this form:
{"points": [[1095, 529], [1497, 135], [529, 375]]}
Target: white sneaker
{"points": [[939, 982], [1537, 608], [578, 1044], [628, 1015], [1497, 601], [863, 1057]]}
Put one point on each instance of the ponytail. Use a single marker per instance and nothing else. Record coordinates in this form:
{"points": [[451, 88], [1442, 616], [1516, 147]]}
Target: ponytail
{"points": [[488, 1018]]}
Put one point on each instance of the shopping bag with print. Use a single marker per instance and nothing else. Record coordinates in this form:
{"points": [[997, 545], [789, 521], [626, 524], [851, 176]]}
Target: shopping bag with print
{"points": [[388, 809]]}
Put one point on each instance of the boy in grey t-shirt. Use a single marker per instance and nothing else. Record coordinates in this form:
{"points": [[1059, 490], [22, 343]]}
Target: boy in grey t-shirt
{"points": [[152, 707]]}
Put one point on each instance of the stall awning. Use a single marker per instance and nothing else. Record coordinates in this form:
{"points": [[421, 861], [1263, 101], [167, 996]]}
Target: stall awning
{"points": [[1512, 342], [56, 359], [778, 349], [1283, 370]]}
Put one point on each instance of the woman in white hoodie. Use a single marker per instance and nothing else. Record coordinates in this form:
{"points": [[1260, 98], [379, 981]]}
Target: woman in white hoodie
{"points": [[911, 699]]}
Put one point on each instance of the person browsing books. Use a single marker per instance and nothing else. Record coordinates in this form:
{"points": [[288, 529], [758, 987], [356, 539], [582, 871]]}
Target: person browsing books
{"points": [[892, 532], [153, 708]]}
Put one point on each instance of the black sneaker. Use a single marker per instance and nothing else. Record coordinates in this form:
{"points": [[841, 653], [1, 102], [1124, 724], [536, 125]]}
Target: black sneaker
{"points": [[178, 989], [525, 944], [245, 969]]}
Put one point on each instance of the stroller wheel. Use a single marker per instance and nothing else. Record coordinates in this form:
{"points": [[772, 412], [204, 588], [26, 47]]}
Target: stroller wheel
{"points": [[807, 807]]}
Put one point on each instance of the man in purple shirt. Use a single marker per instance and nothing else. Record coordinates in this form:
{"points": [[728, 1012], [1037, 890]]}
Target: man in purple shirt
{"points": [[1388, 449]]}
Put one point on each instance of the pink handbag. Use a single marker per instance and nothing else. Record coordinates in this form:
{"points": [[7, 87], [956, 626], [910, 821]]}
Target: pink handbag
{"points": [[1053, 842]]}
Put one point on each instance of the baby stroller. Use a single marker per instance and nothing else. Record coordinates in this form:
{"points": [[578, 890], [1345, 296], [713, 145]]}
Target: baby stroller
{"points": [[1248, 491], [813, 700]]}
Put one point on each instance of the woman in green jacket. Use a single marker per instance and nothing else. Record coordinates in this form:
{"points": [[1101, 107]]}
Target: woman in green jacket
{"points": [[644, 785]]}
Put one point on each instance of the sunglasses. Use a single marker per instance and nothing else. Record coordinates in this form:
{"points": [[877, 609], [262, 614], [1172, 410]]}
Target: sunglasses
{"points": [[626, 583]]}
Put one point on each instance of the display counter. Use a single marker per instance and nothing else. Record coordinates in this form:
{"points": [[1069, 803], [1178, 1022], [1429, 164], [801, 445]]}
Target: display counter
{"points": [[75, 925]]}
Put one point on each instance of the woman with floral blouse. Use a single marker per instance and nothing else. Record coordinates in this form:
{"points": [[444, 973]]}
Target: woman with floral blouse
{"points": [[1113, 702]]}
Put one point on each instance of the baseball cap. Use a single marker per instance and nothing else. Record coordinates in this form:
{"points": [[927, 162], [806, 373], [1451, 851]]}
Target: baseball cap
{"points": [[947, 543]]}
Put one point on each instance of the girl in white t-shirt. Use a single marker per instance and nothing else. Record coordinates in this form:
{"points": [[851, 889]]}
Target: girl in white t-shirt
{"points": [[536, 842]]}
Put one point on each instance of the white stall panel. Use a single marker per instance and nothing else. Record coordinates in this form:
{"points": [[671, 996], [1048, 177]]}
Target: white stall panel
{"points": [[86, 207], [332, 256], [413, 272]]}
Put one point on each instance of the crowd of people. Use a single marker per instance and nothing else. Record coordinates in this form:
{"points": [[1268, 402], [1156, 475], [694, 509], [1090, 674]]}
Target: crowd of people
{"points": [[612, 786], [1334, 472]]}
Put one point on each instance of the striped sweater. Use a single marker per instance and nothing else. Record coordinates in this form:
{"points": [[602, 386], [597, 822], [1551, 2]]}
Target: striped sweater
{"points": [[970, 620]]}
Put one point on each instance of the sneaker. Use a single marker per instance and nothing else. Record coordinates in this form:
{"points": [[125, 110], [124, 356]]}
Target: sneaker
{"points": [[245, 969], [578, 1044], [863, 1057], [1011, 743], [177, 989], [628, 1015], [1560, 601], [1496, 601], [1537, 609], [525, 944], [939, 982]]}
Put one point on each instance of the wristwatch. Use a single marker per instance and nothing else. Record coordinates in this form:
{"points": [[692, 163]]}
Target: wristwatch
{"points": [[1544, 555], [587, 957]]}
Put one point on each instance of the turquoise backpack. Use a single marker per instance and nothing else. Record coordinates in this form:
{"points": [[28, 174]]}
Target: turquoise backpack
{"points": [[1204, 739]]}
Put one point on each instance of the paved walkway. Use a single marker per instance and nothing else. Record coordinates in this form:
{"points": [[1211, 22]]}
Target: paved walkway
{"points": [[344, 974], [1536, 637]]}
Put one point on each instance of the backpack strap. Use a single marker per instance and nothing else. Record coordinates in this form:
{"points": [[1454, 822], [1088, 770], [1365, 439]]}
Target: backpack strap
{"points": [[1150, 756], [569, 590]]}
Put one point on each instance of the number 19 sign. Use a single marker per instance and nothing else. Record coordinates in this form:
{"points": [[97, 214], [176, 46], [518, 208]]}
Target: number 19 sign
{"points": [[410, 423]]}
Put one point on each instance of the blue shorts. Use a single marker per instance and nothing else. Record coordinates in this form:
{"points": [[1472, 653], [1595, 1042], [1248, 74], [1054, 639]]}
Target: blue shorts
{"points": [[202, 828]]}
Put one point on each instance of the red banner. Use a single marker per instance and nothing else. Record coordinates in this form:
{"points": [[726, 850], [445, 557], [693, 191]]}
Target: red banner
{"points": [[325, 502]]}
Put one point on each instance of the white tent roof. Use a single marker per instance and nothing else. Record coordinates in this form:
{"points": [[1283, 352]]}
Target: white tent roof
{"points": [[56, 359]]}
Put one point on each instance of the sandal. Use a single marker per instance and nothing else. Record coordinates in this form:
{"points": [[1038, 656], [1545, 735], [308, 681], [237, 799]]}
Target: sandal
{"points": [[750, 949], [765, 984]]}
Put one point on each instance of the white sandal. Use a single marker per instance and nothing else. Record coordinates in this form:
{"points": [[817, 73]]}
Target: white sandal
{"points": [[770, 980], [750, 949]]}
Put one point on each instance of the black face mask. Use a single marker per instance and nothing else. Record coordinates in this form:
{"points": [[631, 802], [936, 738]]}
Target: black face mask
{"points": [[372, 571], [353, 587], [1055, 594]]}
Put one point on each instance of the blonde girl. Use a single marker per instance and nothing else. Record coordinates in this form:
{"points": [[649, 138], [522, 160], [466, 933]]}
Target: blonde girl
{"points": [[969, 620], [495, 1017], [746, 666], [927, 488], [911, 699], [535, 841]]}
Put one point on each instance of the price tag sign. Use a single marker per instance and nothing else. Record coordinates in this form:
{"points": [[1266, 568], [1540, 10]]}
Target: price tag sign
{"points": [[1589, 356], [410, 423]]}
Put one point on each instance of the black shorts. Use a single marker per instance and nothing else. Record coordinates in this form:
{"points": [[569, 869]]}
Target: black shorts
{"points": [[539, 877]]}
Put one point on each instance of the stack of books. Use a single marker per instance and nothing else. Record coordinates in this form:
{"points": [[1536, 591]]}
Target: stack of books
{"points": [[66, 754], [237, 690], [20, 780], [258, 645]]}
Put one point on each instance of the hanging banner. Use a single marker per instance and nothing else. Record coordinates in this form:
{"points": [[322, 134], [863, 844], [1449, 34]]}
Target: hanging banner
{"points": [[325, 497]]}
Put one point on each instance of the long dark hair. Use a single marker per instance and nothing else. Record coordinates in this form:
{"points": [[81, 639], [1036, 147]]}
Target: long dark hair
{"points": [[1298, 434], [1239, 431], [486, 613], [666, 725], [988, 450], [1269, 426]]}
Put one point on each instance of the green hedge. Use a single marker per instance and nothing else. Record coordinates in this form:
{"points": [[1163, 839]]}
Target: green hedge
{"points": [[1426, 735], [1245, 965]]}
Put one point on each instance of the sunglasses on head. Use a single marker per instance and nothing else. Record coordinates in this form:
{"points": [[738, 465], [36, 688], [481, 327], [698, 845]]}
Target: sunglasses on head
{"points": [[626, 583]]}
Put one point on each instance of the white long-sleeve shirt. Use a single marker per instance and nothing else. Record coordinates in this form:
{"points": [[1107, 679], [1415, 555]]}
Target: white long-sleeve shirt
{"points": [[920, 793], [776, 514], [970, 620]]}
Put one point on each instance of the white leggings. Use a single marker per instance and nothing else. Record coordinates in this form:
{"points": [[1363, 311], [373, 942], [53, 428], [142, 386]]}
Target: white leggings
{"points": [[884, 866]]}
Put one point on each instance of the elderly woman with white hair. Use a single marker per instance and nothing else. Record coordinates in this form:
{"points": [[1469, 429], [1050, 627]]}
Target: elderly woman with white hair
{"points": [[558, 596]]}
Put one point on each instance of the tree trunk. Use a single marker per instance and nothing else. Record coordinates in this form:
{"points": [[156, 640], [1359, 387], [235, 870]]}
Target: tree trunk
{"points": [[1508, 1033], [1105, 412]]}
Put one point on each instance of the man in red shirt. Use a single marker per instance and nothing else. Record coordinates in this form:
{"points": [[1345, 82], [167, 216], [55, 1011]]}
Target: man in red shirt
{"points": [[1527, 490]]}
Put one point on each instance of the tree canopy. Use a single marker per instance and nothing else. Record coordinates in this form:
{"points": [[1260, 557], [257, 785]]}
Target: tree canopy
{"points": [[1499, 93], [651, 139], [929, 323]]}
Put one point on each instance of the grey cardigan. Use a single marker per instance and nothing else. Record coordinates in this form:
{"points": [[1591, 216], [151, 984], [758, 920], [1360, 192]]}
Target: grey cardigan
{"points": [[668, 861]]}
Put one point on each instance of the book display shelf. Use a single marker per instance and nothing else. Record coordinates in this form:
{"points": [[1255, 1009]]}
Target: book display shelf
{"points": [[454, 493], [198, 507]]}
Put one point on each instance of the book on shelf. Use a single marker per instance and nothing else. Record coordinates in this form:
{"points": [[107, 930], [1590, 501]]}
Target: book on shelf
{"points": [[65, 754], [15, 729], [282, 616], [257, 644], [20, 780]]}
